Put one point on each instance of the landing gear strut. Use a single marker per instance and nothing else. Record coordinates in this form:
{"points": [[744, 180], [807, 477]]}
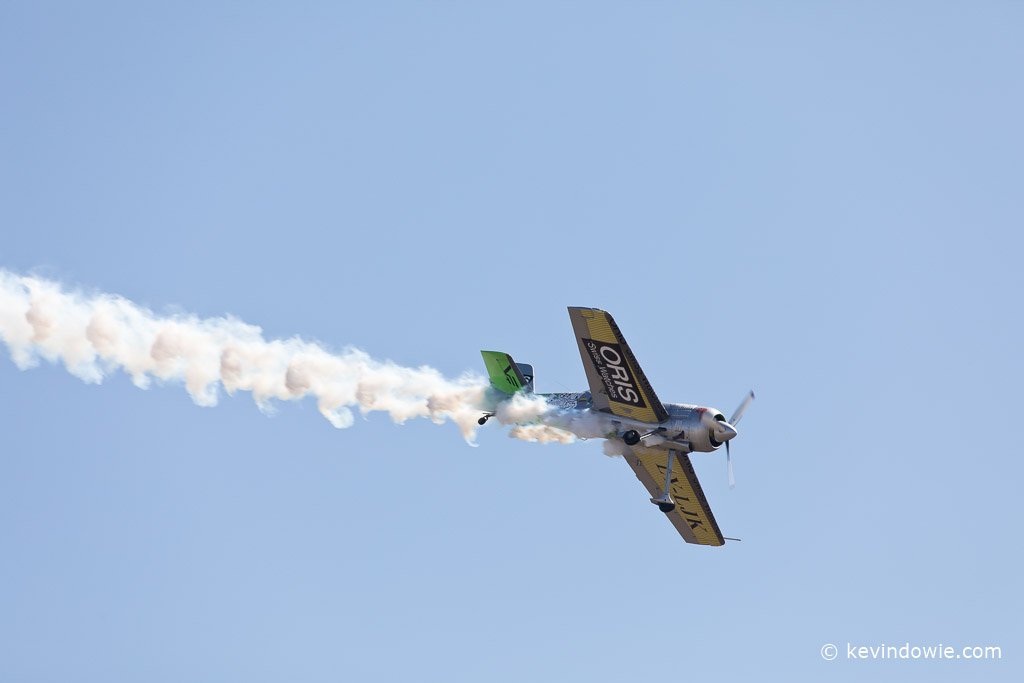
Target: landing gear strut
{"points": [[664, 501]]}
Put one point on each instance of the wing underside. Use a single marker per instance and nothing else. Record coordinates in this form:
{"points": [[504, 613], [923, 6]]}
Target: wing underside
{"points": [[617, 383], [692, 517]]}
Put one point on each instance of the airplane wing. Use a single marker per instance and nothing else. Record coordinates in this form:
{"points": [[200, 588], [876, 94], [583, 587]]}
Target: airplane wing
{"points": [[617, 383], [692, 517]]}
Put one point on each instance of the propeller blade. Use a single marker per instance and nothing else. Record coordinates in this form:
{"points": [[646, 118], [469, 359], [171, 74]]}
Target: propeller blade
{"points": [[743, 407], [728, 460]]}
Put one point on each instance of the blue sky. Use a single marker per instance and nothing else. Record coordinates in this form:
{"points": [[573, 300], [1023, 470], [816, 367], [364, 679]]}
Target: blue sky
{"points": [[819, 202]]}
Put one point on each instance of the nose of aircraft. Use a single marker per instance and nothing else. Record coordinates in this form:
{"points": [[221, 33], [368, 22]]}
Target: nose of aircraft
{"points": [[725, 431]]}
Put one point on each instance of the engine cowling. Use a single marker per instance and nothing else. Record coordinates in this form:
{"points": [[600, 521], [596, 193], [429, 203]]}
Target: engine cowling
{"points": [[693, 424]]}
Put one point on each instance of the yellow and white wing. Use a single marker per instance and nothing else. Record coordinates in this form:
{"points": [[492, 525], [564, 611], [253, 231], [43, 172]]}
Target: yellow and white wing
{"points": [[617, 384], [692, 517]]}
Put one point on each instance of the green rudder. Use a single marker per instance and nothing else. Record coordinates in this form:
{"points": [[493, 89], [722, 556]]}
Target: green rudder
{"points": [[504, 374]]}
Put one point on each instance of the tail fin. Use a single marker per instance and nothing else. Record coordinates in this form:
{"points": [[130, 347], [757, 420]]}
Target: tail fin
{"points": [[506, 375], [527, 371]]}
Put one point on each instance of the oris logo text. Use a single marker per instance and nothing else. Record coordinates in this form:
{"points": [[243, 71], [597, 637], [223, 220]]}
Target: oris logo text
{"points": [[615, 374]]}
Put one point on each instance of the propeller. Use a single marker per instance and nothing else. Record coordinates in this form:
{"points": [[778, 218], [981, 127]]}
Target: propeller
{"points": [[728, 460], [736, 416], [734, 420]]}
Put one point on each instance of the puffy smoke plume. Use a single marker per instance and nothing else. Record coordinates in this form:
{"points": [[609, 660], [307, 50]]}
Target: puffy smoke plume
{"points": [[525, 412], [93, 335], [534, 419]]}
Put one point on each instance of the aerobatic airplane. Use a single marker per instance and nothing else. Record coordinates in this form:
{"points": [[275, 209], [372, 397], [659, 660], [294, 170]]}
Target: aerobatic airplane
{"points": [[621, 406]]}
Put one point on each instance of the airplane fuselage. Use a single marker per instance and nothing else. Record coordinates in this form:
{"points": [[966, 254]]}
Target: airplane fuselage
{"points": [[688, 427]]}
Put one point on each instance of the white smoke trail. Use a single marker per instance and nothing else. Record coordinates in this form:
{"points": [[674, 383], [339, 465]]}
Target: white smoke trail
{"points": [[535, 419], [96, 334], [525, 413]]}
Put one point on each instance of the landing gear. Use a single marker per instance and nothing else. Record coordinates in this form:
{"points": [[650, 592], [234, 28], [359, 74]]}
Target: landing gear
{"points": [[633, 437], [664, 501], [483, 420]]}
